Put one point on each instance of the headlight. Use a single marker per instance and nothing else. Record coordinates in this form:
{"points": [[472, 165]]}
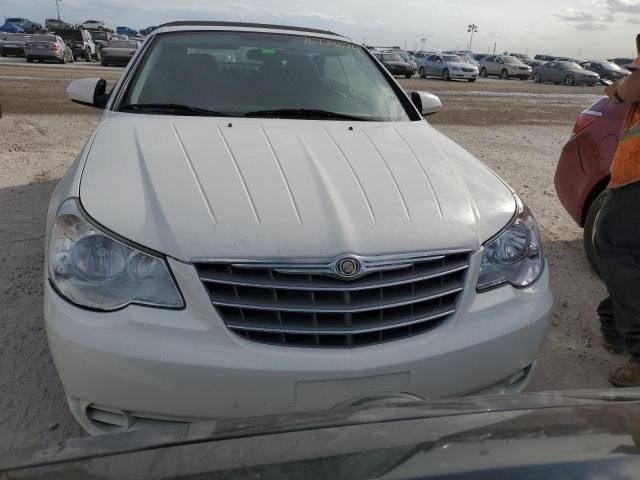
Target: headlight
{"points": [[93, 269], [515, 256]]}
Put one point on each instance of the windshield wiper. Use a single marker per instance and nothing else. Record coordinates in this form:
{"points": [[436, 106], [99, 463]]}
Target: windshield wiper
{"points": [[171, 109], [305, 113]]}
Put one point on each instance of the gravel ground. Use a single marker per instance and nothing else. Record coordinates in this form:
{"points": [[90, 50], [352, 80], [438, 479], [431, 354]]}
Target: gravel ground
{"points": [[517, 128]]}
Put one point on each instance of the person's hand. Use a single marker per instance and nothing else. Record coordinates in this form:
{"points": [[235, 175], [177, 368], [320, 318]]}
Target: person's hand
{"points": [[610, 91]]}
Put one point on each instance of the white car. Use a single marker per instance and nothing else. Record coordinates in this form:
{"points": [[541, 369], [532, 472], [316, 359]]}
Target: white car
{"points": [[447, 67], [263, 222], [94, 25]]}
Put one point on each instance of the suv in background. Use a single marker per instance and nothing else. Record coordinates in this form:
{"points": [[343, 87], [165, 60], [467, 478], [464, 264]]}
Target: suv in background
{"points": [[505, 67], [94, 25], [545, 58], [526, 59], [52, 23], [81, 43], [24, 23], [129, 32], [395, 64]]}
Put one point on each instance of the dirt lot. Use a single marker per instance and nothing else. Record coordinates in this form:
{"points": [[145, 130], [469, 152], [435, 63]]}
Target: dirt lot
{"points": [[517, 128]]}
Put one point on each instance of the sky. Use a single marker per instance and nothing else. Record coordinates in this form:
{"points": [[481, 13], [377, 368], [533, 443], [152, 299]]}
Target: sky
{"points": [[584, 28]]}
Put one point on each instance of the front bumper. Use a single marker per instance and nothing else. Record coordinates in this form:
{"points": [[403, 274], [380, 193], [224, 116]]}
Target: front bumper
{"points": [[186, 365], [463, 75]]}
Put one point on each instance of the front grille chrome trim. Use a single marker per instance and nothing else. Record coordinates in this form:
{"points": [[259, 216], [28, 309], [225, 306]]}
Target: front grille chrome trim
{"points": [[355, 331], [318, 303], [341, 309]]}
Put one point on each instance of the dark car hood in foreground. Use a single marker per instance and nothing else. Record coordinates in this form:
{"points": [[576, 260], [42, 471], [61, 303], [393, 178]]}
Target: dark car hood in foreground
{"points": [[573, 435]]}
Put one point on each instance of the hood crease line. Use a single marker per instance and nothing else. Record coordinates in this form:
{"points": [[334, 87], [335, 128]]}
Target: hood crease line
{"points": [[282, 174], [353, 172], [239, 172], [193, 172], [393, 178], [424, 172]]}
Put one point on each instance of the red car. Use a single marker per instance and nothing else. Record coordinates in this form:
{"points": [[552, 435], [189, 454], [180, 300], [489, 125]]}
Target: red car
{"points": [[583, 170]]}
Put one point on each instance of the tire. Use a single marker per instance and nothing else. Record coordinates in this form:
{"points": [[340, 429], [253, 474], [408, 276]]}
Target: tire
{"points": [[589, 223], [445, 75], [98, 56], [569, 80], [483, 72], [29, 60], [472, 79], [104, 64], [3, 54], [537, 78], [523, 78], [422, 73], [408, 75], [504, 74], [87, 56], [63, 60]]}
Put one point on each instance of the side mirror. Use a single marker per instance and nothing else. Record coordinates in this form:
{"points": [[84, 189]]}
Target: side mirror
{"points": [[426, 103], [89, 91]]}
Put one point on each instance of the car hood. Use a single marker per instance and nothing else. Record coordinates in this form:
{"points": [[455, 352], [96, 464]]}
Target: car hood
{"points": [[203, 187], [460, 64]]}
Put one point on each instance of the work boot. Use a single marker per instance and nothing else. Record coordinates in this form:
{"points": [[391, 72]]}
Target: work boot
{"points": [[627, 376]]}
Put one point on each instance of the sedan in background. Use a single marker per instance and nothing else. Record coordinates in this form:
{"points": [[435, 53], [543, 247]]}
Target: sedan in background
{"points": [[447, 67], [505, 67], [584, 167], [607, 70], [119, 52], [13, 45], [569, 73], [395, 64], [47, 47]]}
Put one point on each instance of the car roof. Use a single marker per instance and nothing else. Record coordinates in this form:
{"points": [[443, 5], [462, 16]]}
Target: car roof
{"points": [[200, 23]]}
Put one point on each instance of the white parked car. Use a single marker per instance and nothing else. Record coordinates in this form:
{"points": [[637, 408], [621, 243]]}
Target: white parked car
{"points": [[447, 67], [263, 222], [505, 67], [94, 25]]}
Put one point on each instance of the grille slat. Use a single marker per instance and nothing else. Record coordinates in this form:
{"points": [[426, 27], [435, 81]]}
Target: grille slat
{"points": [[306, 305]]}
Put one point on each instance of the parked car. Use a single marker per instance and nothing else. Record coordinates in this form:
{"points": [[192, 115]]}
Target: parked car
{"points": [[407, 58], [130, 32], [479, 56], [464, 56], [622, 61], [147, 31], [583, 170], [505, 67], [101, 38], [526, 59], [53, 23], [81, 43], [447, 67], [119, 52], [13, 45], [249, 214], [25, 24], [395, 64], [569, 73], [94, 25], [47, 47], [607, 70], [545, 58]]}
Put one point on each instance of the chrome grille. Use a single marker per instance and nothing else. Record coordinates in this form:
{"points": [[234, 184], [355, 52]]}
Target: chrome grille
{"points": [[468, 70], [305, 304]]}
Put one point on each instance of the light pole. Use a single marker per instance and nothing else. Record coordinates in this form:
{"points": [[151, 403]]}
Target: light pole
{"points": [[58, 8], [472, 28]]}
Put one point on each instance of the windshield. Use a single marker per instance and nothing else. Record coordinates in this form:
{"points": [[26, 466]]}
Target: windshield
{"points": [[451, 58], [243, 73], [123, 44], [511, 60]]}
